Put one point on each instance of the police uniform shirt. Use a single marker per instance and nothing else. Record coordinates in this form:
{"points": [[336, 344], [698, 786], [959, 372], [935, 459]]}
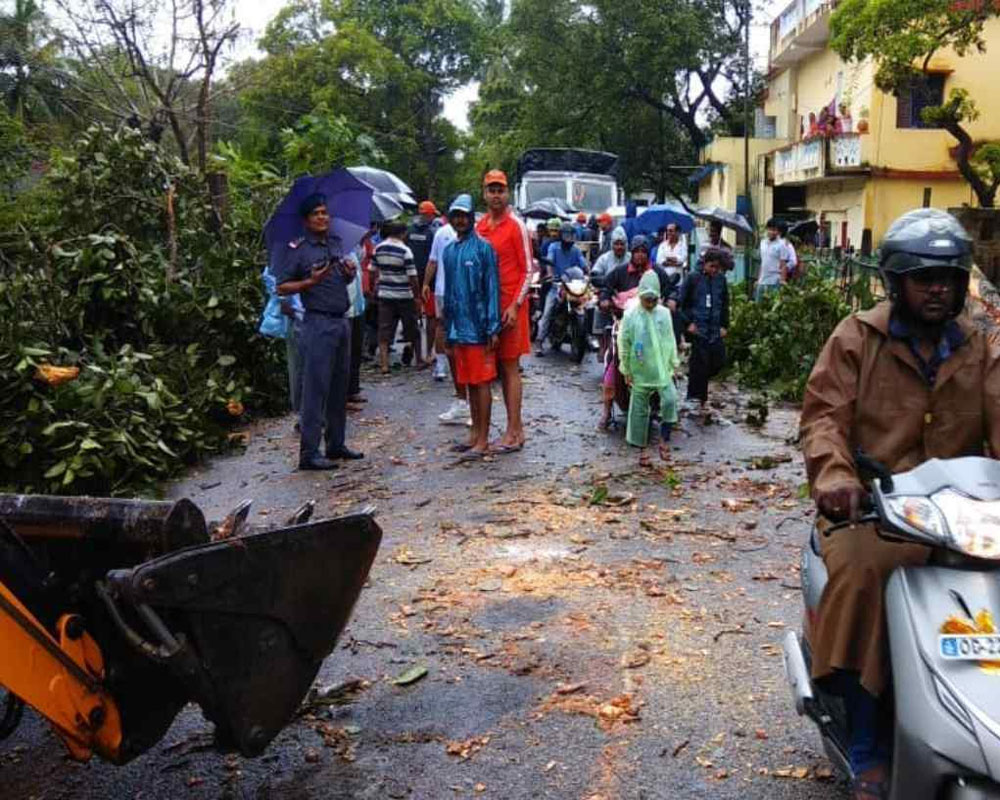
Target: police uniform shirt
{"points": [[329, 296]]}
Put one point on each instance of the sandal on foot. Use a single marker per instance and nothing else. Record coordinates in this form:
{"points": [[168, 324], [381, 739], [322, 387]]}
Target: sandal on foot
{"points": [[473, 455], [460, 447], [503, 449], [869, 790]]}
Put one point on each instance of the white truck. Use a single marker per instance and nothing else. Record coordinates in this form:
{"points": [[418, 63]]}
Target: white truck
{"points": [[583, 180]]}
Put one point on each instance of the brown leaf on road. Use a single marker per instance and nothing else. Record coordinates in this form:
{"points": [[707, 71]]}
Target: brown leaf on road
{"points": [[467, 748], [570, 688], [635, 659]]}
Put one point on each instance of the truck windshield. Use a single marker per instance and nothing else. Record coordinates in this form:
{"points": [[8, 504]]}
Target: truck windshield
{"points": [[593, 196], [539, 190]]}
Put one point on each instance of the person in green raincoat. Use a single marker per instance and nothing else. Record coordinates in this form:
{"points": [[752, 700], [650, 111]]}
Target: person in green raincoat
{"points": [[648, 357]]}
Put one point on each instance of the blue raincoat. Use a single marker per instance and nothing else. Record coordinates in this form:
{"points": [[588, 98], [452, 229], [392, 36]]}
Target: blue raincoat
{"points": [[472, 291]]}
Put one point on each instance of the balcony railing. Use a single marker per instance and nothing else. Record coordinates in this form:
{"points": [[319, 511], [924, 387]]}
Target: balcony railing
{"points": [[801, 29], [813, 159]]}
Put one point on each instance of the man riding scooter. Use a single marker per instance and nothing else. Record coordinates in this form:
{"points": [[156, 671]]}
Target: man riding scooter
{"points": [[561, 256], [904, 382]]}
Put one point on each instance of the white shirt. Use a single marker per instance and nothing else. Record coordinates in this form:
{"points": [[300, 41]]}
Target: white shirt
{"points": [[793, 257], [444, 237], [667, 250], [772, 253]]}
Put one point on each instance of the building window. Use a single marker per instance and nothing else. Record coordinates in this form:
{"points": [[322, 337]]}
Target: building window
{"points": [[928, 90]]}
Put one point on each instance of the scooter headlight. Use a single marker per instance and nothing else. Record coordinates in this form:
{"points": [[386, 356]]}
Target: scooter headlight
{"points": [[919, 513], [973, 526]]}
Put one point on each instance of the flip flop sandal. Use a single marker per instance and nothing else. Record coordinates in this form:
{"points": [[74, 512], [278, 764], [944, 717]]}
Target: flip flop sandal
{"points": [[460, 447], [876, 789], [473, 455], [504, 449]]}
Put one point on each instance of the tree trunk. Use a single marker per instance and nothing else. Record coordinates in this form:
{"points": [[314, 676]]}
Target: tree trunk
{"points": [[985, 194]]}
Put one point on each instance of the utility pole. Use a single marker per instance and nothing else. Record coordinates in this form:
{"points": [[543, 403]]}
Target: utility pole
{"points": [[746, 138]]}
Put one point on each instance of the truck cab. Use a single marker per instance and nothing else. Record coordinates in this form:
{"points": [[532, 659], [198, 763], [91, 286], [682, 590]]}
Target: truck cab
{"points": [[584, 180]]}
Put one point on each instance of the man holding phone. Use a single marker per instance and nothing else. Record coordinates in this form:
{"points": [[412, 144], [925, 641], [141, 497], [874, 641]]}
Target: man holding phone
{"points": [[314, 267]]}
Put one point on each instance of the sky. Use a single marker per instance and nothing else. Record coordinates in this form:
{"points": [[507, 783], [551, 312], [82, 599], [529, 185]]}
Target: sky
{"points": [[255, 14]]}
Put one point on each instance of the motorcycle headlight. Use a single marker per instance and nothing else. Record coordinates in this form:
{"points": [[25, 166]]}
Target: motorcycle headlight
{"points": [[919, 513], [576, 288], [973, 526]]}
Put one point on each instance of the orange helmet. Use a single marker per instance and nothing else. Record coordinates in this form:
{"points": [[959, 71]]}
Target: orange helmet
{"points": [[605, 219], [427, 207], [581, 217]]}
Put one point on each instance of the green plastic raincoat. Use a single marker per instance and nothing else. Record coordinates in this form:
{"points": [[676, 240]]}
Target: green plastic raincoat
{"points": [[647, 352]]}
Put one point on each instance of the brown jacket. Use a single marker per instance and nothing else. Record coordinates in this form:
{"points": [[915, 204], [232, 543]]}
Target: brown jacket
{"points": [[866, 391]]}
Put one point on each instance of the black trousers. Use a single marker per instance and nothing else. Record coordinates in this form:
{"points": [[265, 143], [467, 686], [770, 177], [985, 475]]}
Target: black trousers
{"points": [[357, 339], [707, 360], [326, 359]]}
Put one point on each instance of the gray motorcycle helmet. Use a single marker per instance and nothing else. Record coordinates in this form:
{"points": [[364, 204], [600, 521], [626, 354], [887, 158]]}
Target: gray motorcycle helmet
{"points": [[926, 238], [566, 233]]}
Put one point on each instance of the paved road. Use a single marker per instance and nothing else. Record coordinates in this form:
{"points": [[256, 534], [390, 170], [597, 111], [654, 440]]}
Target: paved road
{"points": [[624, 648]]}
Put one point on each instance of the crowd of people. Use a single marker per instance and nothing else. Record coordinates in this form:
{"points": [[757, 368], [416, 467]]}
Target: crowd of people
{"points": [[458, 288]]}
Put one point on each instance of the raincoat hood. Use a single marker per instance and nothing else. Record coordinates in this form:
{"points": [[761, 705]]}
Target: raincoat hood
{"points": [[619, 235], [649, 284]]}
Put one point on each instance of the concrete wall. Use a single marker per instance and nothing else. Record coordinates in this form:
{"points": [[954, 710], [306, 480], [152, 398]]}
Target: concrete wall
{"points": [[891, 197], [839, 202], [722, 186]]}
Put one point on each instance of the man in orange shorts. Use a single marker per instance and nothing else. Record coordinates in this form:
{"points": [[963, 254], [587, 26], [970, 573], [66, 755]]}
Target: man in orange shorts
{"points": [[503, 229], [472, 316]]}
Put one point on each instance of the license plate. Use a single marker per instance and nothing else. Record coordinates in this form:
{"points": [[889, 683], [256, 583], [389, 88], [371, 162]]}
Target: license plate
{"points": [[970, 647]]}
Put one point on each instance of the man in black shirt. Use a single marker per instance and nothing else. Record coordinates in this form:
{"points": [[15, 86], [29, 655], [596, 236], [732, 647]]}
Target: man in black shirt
{"points": [[314, 269], [626, 277], [419, 237]]}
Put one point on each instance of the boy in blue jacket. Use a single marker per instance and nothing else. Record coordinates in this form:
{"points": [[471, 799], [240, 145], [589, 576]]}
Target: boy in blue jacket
{"points": [[472, 319]]}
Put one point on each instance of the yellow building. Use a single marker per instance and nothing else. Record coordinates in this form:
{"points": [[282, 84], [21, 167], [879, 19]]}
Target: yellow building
{"points": [[872, 159]]}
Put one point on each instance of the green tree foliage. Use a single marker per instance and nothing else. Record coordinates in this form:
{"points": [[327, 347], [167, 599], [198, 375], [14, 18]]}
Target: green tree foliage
{"points": [[168, 353], [773, 343], [903, 36], [30, 79], [637, 79]]}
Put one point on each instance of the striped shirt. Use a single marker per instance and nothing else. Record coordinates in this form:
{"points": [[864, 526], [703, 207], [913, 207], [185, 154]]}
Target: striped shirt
{"points": [[395, 265]]}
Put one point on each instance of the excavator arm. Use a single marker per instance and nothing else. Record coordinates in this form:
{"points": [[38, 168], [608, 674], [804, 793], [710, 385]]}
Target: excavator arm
{"points": [[61, 678], [116, 613]]}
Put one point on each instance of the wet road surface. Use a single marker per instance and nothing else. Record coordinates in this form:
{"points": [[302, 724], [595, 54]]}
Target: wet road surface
{"points": [[589, 629]]}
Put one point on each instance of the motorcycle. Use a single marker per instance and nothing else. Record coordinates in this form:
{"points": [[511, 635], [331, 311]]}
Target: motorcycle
{"points": [[569, 323], [945, 655]]}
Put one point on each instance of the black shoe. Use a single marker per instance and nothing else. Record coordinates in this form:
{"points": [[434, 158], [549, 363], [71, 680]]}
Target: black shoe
{"points": [[317, 463], [539, 353], [345, 453]]}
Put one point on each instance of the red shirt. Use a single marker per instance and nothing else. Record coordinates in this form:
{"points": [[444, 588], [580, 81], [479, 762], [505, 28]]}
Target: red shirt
{"points": [[512, 244]]}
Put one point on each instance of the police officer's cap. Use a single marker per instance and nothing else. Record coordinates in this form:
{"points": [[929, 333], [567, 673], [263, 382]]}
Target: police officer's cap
{"points": [[311, 203]]}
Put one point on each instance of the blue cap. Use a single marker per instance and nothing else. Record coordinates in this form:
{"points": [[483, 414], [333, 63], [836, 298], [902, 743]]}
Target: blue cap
{"points": [[311, 203], [461, 203], [640, 241]]}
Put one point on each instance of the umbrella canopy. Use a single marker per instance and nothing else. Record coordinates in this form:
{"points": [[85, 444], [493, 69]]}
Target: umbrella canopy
{"points": [[548, 207], [385, 207], [728, 219], [385, 183], [349, 202], [661, 215], [805, 230]]}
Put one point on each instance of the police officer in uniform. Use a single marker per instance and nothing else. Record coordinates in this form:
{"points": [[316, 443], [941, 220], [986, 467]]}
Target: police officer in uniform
{"points": [[314, 267]]}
